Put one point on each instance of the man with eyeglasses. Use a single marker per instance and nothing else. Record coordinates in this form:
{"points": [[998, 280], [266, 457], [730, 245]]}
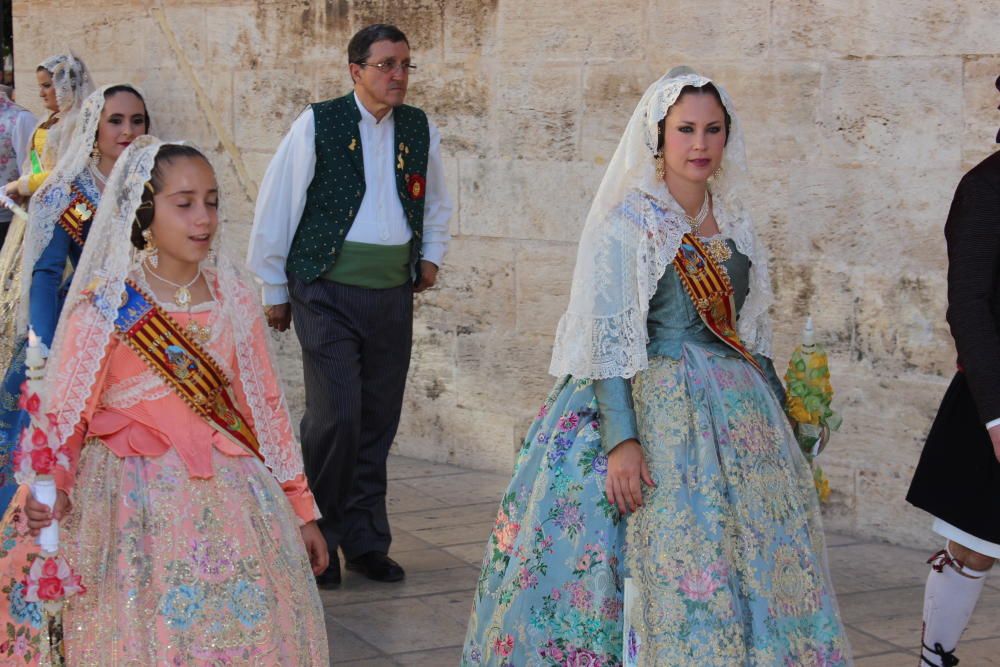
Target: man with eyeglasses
{"points": [[351, 220]]}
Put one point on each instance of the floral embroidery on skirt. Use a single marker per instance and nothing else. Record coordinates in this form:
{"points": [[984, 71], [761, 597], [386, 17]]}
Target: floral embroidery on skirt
{"points": [[183, 571], [726, 556], [550, 591]]}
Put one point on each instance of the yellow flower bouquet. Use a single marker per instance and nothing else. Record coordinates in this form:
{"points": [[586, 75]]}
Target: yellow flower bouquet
{"points": [[807, 403]]}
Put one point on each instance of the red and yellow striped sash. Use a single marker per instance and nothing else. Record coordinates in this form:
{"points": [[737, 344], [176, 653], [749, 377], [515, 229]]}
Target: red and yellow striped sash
{"points": [[75, 217], [711, 293], [183, 364]]}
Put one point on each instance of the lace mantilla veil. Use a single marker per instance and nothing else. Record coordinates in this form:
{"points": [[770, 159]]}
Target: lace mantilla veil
{"points": [[73, 84], [96, 292], [627, 244], [52, 198]]}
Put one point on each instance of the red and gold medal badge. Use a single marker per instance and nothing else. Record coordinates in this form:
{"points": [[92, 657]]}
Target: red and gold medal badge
{"points": [[416, 185]]}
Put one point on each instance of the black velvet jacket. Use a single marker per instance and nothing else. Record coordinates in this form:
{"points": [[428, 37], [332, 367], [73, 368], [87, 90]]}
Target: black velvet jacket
{"points": [[973, 236]]}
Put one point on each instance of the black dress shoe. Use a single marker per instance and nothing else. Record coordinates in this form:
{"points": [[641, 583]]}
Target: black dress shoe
{"points": [[377, 566], [331, 576]]}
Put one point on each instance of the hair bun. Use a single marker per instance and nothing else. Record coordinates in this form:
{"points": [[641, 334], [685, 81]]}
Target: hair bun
{"points": [[680, 70]]}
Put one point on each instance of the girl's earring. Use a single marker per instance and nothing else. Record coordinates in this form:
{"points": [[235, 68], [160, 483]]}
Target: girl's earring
{"points": [[660, 169], [717, 174], [150, 252], [95, 156]]}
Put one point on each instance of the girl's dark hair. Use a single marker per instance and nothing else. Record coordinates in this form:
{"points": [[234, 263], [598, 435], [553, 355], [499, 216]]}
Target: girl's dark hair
{"points": [[707, 89], [43, 69], [144, 213], [125, 88]]}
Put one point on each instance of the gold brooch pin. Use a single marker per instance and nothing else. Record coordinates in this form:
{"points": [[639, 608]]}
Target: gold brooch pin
{"points": [[353, 144]]}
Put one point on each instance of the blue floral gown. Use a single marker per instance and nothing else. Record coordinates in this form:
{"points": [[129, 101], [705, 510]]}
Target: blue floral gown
{"points": [[49, 284], [726, 557]]}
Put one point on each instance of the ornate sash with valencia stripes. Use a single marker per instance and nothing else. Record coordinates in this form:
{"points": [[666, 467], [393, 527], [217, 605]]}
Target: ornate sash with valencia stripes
{"points": [[186, 367], [711, 293], [77, 214]]}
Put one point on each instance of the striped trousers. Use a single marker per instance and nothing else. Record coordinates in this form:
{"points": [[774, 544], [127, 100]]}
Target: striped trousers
{"points": [[356, 353]]}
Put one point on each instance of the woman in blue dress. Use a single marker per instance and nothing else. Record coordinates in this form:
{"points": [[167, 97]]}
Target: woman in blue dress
{"points": [[59, 219], [663, 453]]}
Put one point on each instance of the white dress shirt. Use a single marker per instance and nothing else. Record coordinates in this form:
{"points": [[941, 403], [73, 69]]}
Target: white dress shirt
{"points": [[380, 219]]}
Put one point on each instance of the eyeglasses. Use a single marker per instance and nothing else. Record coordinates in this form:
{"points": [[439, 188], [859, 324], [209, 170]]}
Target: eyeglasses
{"points": [[390, 66]]}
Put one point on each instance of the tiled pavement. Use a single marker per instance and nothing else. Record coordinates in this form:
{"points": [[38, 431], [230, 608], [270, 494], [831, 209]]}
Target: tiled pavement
{"points": [[442, 515]]}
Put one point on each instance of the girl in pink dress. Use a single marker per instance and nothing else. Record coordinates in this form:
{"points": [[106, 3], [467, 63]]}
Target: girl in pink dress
{"points": [[185, 510]]}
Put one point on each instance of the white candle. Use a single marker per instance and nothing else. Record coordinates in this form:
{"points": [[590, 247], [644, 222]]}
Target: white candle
{"points": [[44, 491], [35, 357]]}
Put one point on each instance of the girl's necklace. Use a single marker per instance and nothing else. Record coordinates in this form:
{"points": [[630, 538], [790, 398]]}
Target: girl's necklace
{"points": [[182, 296]]}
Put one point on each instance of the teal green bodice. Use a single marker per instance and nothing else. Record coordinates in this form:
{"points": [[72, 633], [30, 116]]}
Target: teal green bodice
{"points": [[671, 323]]}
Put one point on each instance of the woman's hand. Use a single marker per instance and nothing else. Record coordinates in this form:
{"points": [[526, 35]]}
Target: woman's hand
{"points": [[40, 516], [626, 469], [319, 557], [12, 191]]}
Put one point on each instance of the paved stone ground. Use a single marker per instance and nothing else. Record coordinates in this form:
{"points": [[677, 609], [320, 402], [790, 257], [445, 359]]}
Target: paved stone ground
{"points": [[442, 515]]}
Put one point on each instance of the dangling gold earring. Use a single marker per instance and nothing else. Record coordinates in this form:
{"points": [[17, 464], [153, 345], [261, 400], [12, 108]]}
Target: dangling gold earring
{"points": [[717, 174], [660, 161], [95, 156], [150, 252]]}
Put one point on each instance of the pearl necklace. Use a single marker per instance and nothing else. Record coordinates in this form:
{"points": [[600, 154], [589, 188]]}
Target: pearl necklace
{"points": [[98, 176], [700, 217], [182, 296]]}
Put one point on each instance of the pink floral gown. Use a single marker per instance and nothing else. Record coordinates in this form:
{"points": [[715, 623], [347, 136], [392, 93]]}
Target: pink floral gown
{"points": [[189, 548]]}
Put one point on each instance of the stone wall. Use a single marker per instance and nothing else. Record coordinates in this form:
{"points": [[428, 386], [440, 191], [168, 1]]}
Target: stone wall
{"points": [[861, 115]]}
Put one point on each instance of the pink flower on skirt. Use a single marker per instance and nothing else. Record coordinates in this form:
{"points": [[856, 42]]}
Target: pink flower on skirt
{"points": [[700, 586], [580, 597], [569, 421], [504, 645], [581, 657], [505, 533]]}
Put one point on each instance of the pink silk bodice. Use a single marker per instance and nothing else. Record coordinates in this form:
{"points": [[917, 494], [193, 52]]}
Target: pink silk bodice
{"points": [[135, 413]]}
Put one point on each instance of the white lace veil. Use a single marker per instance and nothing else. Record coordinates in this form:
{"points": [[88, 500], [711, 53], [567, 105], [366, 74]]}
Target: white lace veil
{"points": [[87, 325], [73, 84], [52, 198], [626, 246]]}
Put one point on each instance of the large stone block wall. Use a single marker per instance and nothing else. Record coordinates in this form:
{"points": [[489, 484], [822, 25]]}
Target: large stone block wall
{"points": [[861, 116]]}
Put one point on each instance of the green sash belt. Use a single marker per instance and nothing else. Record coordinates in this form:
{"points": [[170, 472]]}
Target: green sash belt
{"points": [[371, 265]]}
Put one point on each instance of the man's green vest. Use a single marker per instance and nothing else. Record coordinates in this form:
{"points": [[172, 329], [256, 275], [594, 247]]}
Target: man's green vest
{"points": [[338, 185]]}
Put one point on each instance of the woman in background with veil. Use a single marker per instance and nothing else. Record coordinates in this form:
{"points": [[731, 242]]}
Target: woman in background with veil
{"points": [[191, 522], [668, 412], [60, 216], [64, 83]]}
